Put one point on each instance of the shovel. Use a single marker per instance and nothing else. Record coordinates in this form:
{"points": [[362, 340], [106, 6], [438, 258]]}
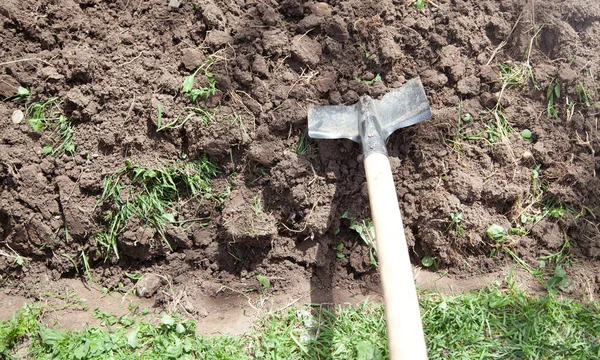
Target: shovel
{"points": [[369, 123]]}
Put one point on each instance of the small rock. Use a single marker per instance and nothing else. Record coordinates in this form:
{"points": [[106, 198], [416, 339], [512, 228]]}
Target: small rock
{"points": [[306, 50], [213, 16], [17, 116], [434, 78], [218, 38], [148, 285], [336, 29], [469, 86], [320, 9], [259, 65], [174, 5], [192, 58]]}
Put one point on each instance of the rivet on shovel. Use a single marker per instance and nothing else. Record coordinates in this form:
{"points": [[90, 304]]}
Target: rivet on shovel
{"points": [[369, 123]]}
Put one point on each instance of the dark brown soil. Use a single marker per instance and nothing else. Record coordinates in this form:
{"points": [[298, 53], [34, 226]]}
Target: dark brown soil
{"points": [[112, 62]]}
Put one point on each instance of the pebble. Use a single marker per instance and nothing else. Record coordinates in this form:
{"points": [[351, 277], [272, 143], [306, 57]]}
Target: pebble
{"points": [[174, 5], [17, 116]]}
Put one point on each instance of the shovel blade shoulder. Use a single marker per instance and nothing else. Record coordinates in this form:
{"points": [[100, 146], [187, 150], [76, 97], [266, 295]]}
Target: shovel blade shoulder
{"points": [[333, 122]]}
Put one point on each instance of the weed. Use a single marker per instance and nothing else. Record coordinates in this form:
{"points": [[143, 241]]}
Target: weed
{"points": [[513, 75], [366, 231], [264, 282], [462, 133], [526, 135], [257, 205], [154, 195], [22, 93], [339, 250], [585, 97], [419, 4], [456, 218], [428, 261], [46, 115], [303, 146], [239, 122], [205, 92], [369, 82], [365, 51], [552, 95]]}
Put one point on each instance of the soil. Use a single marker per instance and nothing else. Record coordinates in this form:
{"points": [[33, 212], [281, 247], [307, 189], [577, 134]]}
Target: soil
{"points": [[112, 62]]}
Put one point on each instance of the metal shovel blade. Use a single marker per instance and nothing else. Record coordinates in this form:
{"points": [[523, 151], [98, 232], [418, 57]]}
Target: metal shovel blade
{"points": [[399, 108]]}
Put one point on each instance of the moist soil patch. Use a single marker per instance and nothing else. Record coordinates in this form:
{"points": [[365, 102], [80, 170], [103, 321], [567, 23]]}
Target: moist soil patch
{"points": [[491, 70]]}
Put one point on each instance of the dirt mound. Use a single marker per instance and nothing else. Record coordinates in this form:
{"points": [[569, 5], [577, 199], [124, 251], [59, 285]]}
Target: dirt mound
{"points": [[491, 70]]}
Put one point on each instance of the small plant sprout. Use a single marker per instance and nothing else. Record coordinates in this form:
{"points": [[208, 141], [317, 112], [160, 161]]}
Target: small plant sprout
{"points": [[526, 135], [205, 92], [552, 95], [456, 218], [264, 282], [303, 147], [47, 115], [419, 4], [366, 231], [585, 97], [496, 232], [22, 93], [369, 82], [428, 261], [257, 205], [365, 51], [513, 75], [339, 250]]}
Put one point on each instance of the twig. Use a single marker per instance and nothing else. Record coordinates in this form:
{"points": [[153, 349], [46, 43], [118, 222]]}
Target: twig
{"points": [[24, 60], [132, 60]]}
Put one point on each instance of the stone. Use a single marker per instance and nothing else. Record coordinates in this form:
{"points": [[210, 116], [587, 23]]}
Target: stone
{"points": [[148, 285], [306, 50], [192, 58], [174, 5], [218, 38]]}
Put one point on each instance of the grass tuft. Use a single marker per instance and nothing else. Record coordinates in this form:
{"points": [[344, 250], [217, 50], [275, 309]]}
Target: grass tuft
{"points": [[154, 195], [499, 322], [46, 115]]}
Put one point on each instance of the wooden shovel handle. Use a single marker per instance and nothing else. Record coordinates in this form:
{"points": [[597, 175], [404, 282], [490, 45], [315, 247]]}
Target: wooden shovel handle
{"points": [[404, 327]]}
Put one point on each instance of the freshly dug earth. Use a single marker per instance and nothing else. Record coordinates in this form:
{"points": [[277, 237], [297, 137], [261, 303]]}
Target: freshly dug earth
{"points": [[113, 63]]}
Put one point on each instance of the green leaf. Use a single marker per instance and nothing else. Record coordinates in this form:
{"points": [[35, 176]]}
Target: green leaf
{"points": [[47, 150], [264, 281], [367, 351], [36, 123], [427, 261], [159, 118], [180, 328], [50, 336], [70, 148], [82, 351], [167, 319], [188, 83], [340, 255], [419, 4], [132, 339], [169, 217], [495, 232], [557, 89], [526, 134], [21, 91], [133, 276]]}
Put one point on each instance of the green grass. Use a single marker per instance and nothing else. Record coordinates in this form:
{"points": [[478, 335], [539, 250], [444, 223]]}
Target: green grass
{"points": [[153, 195], [201, 92], [498, 322], [47, 115]]}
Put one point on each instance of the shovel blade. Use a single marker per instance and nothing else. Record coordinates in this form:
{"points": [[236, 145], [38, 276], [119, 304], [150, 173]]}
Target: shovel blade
{"points": [[399, 108]]}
